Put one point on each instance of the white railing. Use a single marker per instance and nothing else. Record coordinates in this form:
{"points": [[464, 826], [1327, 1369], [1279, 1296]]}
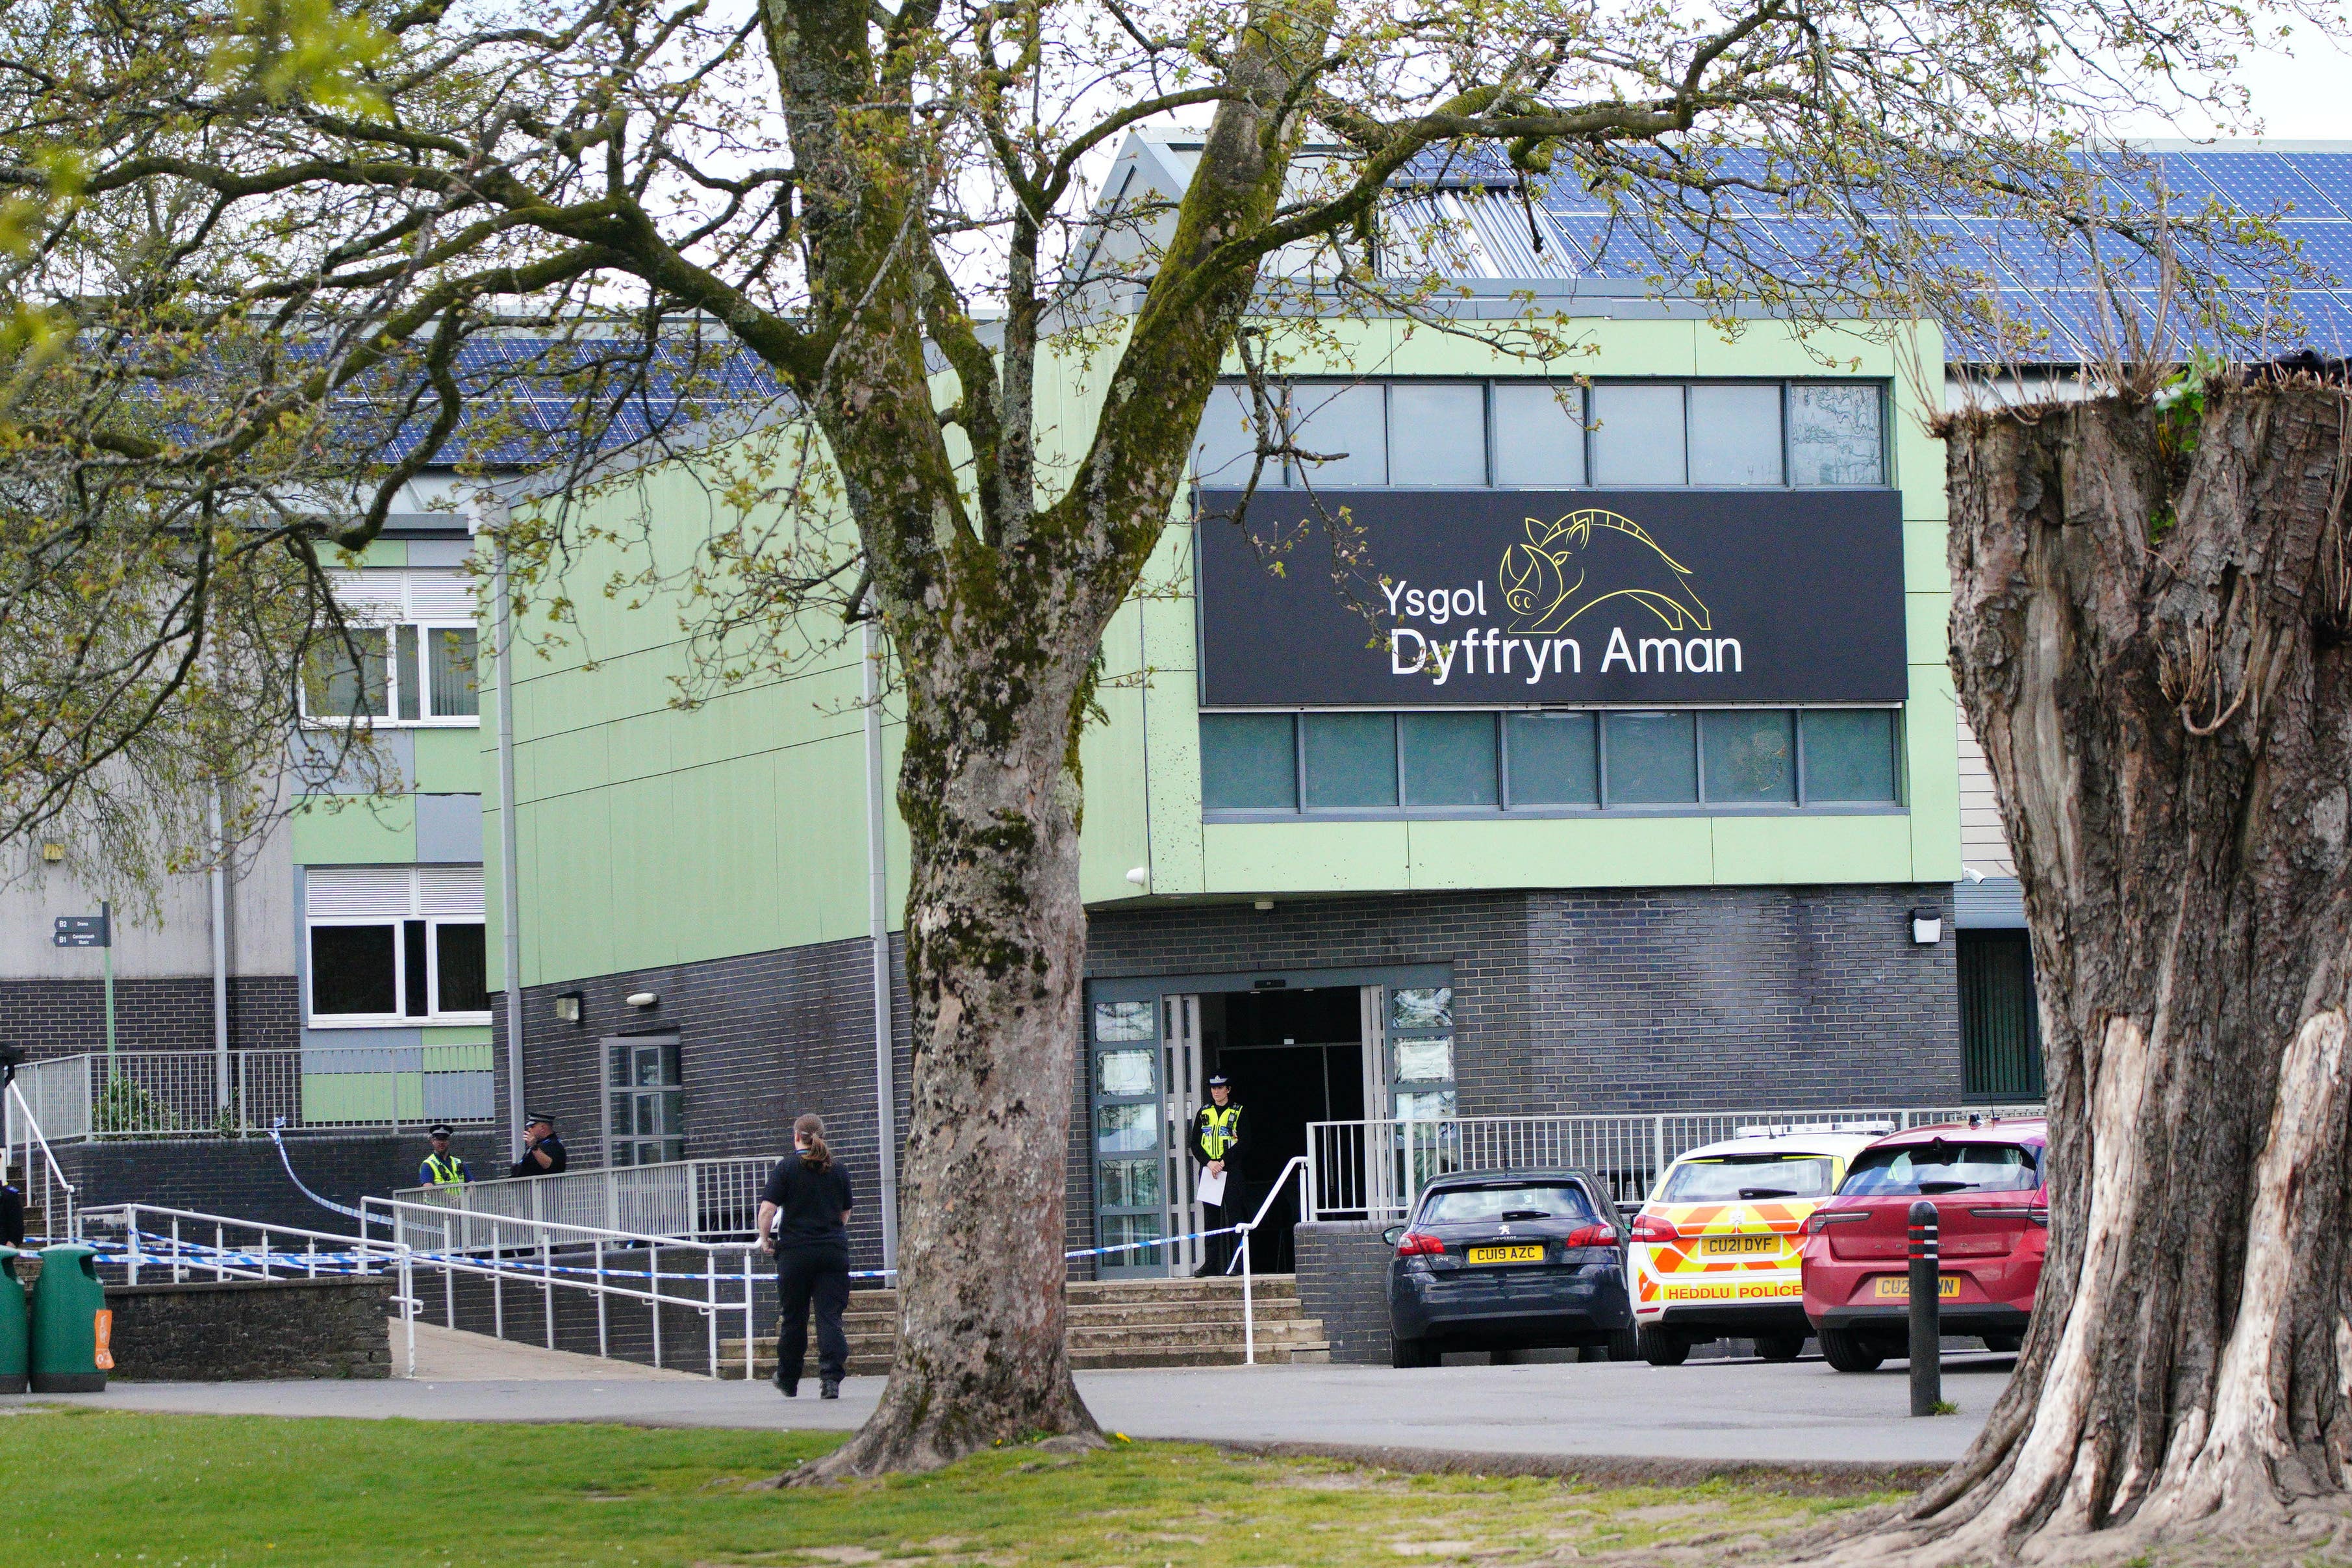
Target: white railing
{"points": [[178, 1094], [1374, 1169], [1298, 1166], [145, 1241], [24, 1145], [684, 1200], [613, 1274]]}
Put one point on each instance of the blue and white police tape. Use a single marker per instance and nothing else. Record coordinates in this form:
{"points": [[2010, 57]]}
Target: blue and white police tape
{"points": [[298, 1187]]}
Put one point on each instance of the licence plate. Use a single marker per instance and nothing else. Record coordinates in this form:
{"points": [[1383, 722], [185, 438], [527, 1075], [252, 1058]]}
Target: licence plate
{"points": [[1739, 1245], [1507, 1254], [1897, 1288]]}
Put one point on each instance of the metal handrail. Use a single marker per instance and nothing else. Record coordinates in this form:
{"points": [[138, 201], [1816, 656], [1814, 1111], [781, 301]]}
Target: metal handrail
{"points": [[1296, 1165], [48, 1155]]}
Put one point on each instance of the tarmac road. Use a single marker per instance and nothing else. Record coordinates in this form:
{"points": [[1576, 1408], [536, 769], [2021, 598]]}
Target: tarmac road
{"points": [[1715, 1411]]}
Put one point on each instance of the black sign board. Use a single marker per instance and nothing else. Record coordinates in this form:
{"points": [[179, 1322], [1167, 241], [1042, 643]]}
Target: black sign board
{"points": [[1499, 597], [81, 930]]}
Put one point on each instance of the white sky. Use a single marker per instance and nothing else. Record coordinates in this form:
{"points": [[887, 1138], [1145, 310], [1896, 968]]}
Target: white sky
{"points": [[2305, 97]]}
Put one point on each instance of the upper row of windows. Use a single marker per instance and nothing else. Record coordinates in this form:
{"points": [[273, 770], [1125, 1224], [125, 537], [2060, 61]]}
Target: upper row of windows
{"points": [[1544, 435], [403, 675]]}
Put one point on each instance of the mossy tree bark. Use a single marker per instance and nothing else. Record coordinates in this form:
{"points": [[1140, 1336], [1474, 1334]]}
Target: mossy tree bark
{"points": [[996, 622], [2151, 642]]}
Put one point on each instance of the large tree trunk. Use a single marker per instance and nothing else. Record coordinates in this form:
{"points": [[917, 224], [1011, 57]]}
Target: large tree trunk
{"points": [[2152, 647], [995, 944]]}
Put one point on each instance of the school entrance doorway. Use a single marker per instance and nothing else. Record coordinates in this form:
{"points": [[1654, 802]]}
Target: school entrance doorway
{"points": [[1301, 1046]]}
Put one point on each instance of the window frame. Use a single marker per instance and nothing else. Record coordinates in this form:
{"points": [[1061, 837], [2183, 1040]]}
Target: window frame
{"points": [[396, 678], [1603, 807], [431, 1017], [1287, 475]]}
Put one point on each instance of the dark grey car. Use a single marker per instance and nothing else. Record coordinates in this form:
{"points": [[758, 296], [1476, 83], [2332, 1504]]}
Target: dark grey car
{"points": [[1509, 1260]]}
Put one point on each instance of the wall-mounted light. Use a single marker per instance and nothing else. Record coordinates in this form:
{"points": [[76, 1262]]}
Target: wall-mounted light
{"points": [[643, 998], [1926, 926], [567, 1006], [1262, 905], [1139, 874], [53, 853]]}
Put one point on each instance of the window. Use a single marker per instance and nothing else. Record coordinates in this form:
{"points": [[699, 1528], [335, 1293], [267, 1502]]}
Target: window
{"points": [[1538, 434], [644, 1102], [1555, 758], [1750, 756], [392, 944], [1471, 762], [417, 651], [1248, 762], [1531, 433], [1835, 435], [1350, 759], [1924, 1169], [1437, 434], [2001, 1025], [1637, 435], [1735, 435], [1470, 1205], [1421, 1052], [1650, 762], [1345, 428], [1449, 759], [338, 685], [1735, 1178]]}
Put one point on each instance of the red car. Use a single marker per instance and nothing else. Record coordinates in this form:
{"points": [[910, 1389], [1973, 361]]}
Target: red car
{"points": [[1993, 1211]]}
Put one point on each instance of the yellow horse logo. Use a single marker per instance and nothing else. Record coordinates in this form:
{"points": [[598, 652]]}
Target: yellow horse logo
{"points": [[1568, 566]]}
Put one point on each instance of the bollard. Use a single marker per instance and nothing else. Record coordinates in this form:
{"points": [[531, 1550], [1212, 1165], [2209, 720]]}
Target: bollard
{"points": [[1927, 1311]]}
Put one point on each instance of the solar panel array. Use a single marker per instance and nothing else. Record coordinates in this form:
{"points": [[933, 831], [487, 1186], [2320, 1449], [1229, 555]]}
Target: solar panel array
{"points": [[2021, 294]]}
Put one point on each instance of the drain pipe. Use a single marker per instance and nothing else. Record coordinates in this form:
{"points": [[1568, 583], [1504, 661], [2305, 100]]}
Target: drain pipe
{"points": [[509, 866], [220, 951], [877, 877]]}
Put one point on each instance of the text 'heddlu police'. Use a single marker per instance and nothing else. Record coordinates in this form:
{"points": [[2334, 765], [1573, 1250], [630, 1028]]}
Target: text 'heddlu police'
{"points": [[1491, 650]]}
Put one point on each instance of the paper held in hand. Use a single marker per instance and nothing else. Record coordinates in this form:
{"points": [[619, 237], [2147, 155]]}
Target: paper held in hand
{"points": [[1212, 1187]]}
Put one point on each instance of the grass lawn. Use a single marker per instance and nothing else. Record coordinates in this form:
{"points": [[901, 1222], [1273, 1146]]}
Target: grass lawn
{"points": [[93, 1486]]}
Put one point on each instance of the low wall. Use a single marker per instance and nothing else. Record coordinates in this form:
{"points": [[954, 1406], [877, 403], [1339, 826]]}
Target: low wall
{"points": [[243, 1177], [243, 1331], [1343, 1273]]}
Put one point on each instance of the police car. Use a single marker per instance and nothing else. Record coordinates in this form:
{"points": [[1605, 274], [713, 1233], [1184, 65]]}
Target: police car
{"points": [[1715, 1252]]}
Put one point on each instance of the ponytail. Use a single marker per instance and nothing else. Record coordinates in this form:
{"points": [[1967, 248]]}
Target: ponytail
{"points": [[810, 1129]]}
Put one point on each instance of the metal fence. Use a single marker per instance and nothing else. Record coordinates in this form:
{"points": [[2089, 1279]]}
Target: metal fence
{"points": [[1374, 1169], [49, 1198], [182, 1094], [687, 1200]]}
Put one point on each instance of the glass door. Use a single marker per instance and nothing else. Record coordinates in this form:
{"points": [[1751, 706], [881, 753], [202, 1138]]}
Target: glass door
{"points": [[1179, 1045], [1131, 1152]]}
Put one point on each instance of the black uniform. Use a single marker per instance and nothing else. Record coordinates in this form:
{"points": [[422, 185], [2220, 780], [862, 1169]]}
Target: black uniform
{"points": [[557, 1156], [1219, 1134], [812, 1264]]}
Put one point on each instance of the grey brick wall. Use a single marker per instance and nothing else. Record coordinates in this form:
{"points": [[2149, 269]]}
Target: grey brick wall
{"points": [[762, 1038], [243, 1178], [1343, 1274], [65, 1018], [1594, 1001], [209, 1333]]}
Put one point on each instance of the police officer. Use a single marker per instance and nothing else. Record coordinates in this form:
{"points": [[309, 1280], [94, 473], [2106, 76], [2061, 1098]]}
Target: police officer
{"points": [[441, 1168], [1217, 1146], [544, 1153]]}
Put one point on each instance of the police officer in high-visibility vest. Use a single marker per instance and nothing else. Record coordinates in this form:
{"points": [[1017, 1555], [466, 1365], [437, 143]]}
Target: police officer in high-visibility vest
{"points": [[1217, 1144], [441, 1168]]}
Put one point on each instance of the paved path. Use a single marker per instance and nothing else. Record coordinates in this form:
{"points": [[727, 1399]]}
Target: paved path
{"points": [[1722, 1410]]}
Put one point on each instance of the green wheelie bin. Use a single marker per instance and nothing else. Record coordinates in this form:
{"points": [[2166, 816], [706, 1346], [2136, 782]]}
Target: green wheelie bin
{"points": [[13, 1343], [71, 1324]]}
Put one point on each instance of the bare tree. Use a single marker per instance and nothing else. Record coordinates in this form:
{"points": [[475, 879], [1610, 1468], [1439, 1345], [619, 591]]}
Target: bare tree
{"points": [[841, 190]]}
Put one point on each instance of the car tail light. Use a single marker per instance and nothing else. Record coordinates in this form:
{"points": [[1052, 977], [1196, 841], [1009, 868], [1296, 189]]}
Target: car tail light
{"points": [[1821, 1220], [1652, 1230], [2033, 1213], [1592, 1235], [1416, 1245]]}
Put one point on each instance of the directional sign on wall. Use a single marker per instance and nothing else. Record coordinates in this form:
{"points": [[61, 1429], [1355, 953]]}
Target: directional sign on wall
{"points": [[81, 930], [1491, 597]]}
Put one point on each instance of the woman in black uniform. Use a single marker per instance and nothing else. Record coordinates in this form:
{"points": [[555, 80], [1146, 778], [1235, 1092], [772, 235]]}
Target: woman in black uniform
{"points": [[807, 1204]]}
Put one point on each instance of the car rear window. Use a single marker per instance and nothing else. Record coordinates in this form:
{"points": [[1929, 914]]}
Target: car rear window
{"points": [[1732, 1178], [1910, 1169], [1467, 1205]]}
